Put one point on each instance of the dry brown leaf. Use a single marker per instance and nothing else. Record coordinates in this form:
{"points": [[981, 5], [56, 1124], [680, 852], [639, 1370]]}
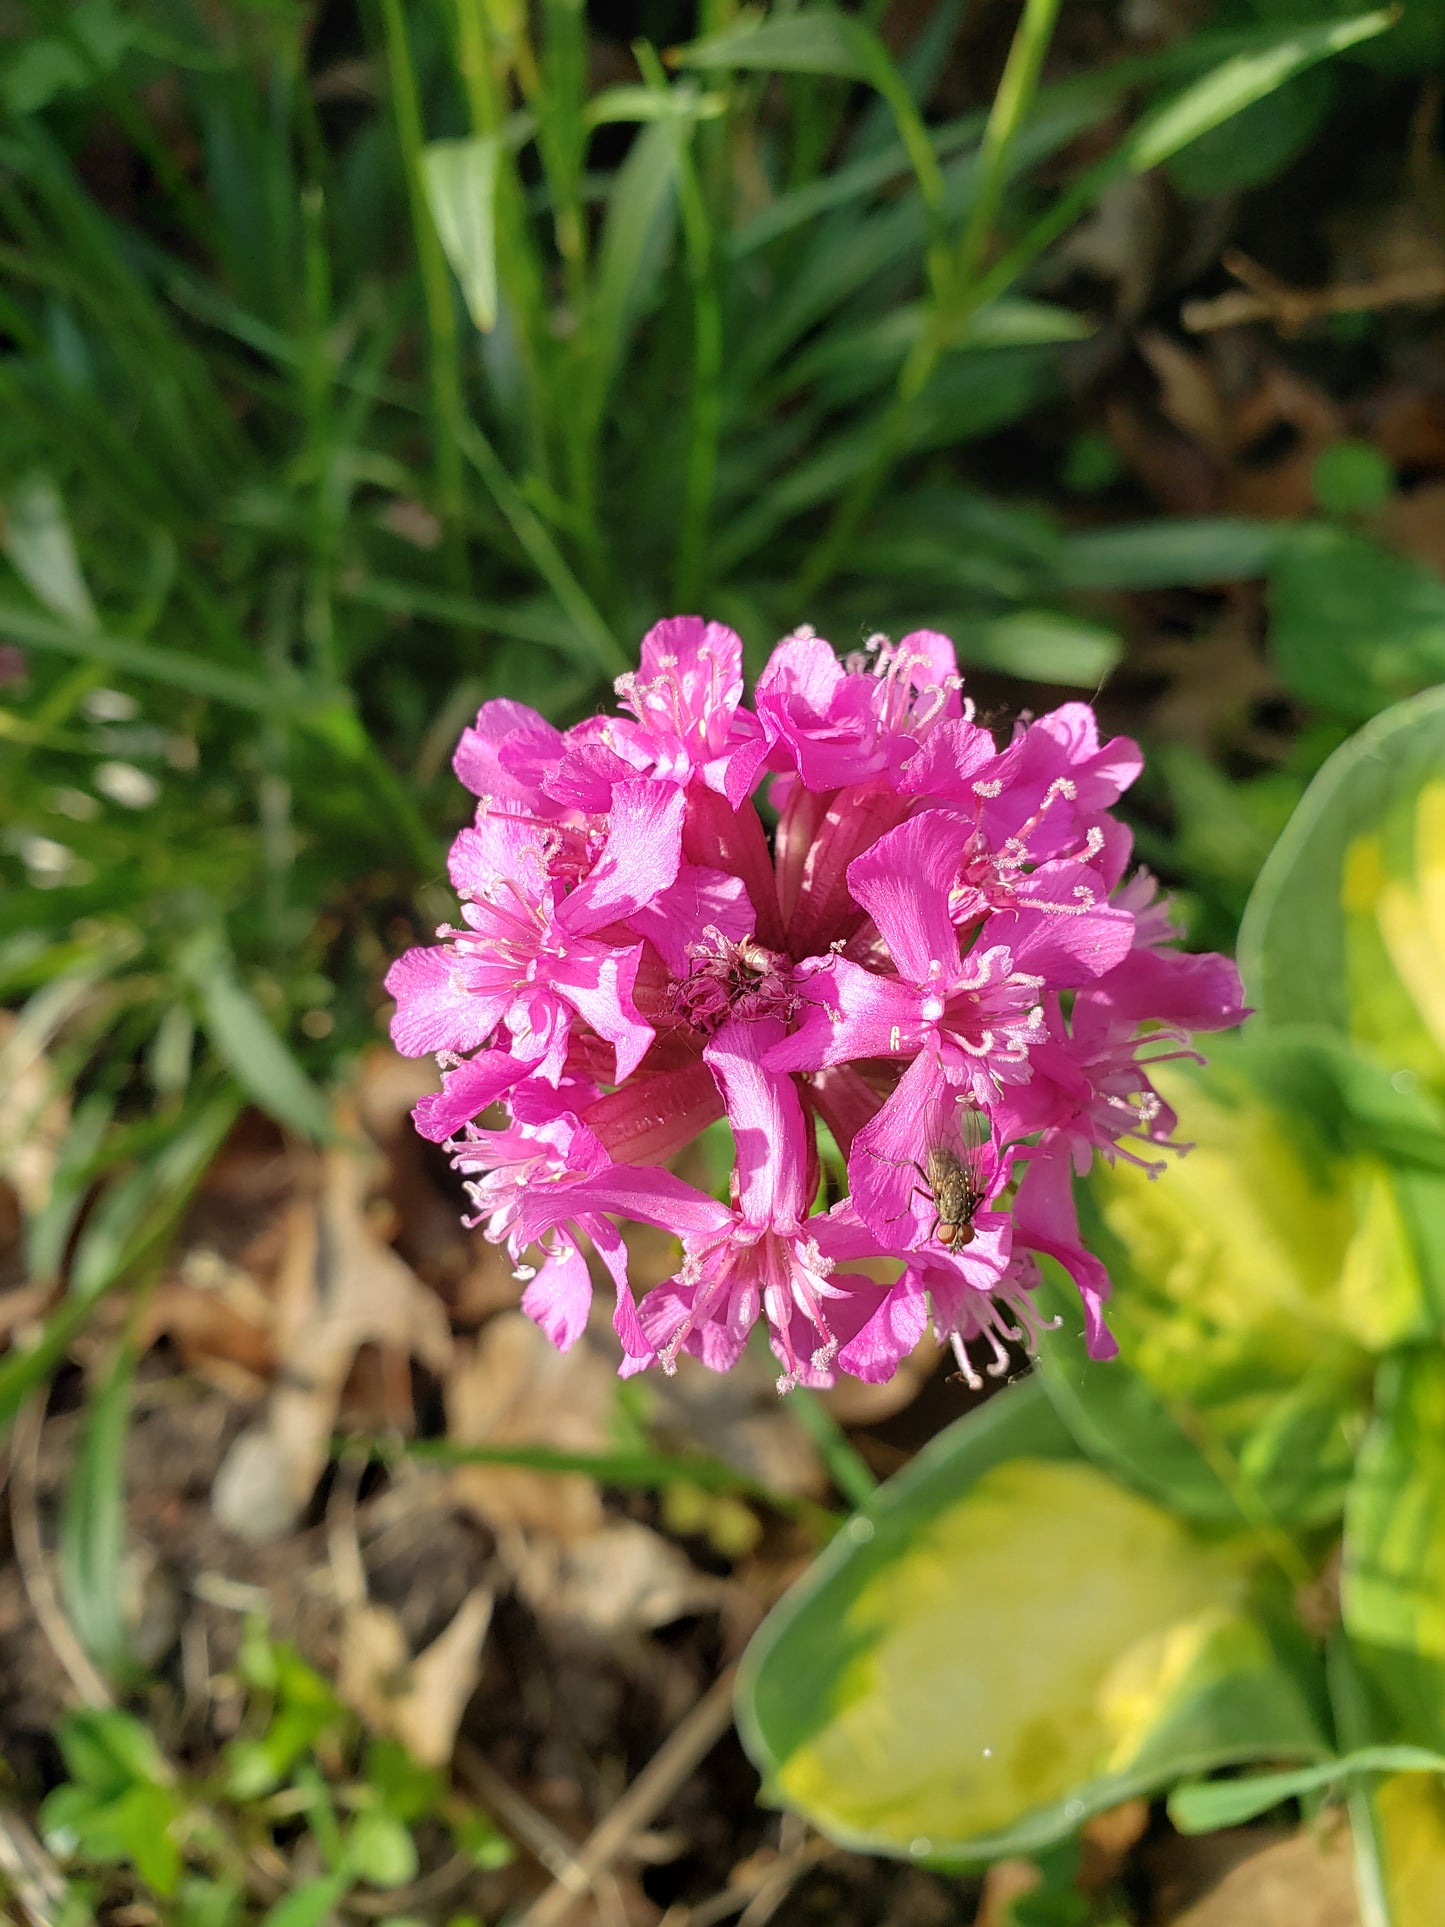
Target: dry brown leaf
{"points": [[34, 1114], [1188, 395], [515, 1388], [1122, 241], [1307, 1880], [340, 1288], [417, 1700], [624, 1578], [737, 1416], [1005, 1882]]}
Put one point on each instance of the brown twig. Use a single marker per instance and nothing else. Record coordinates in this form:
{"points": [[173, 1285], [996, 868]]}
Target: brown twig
{"points": [[27, 1873], [30, 1556], [684, 1748], [1264, 297]]}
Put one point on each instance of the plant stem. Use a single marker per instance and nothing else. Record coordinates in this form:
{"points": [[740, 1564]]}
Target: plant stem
{"points": [[446, 375], [955, 294]]}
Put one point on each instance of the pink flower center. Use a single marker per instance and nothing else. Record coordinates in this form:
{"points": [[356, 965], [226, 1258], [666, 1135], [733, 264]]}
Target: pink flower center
{"points": [[732, 980]]}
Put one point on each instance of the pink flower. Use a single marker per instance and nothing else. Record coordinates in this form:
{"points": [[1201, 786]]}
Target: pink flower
{"points": [[936, 954]]}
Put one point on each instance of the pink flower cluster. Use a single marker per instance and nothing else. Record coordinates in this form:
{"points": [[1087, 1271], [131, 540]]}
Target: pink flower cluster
{"points": [[917, 931]]}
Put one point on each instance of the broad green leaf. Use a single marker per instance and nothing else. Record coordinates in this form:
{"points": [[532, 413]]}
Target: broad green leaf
{"points": [[1409, 1812], [865, 1701], [1392, 1589], [1121, 1420], [36, 538], [1229, 1270], [1354, 627], [1201, 1806], [1165, 554], [460, 178], [1346, 925], [92, 1530], [248, 1044], [133, 1827]]}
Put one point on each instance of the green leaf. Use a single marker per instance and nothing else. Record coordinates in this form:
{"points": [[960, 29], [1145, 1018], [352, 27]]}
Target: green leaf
{"points": [[1353, 626], [865, 1701], [476, 1836], [1259, 142], [36, 538], [1203, 1806], [109, 1750], [205, 1901], [637, 234], [310, 1904], [1239, 82], [460, 178], [1392, 1589], [1345, 927], [133, 1827], [815, 40], [196, 673], [1042, 645], [1350, 478], [1238, 1282], [1165, 554], [247, 1043], [404, 1788], [92, 1529], [380, 1849], [1118, 1417]]}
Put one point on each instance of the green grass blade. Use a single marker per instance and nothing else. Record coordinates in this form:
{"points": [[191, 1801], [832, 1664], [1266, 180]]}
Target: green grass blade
{"points": [[92, 1526], [643, 1469], [592, 637], [248, 1045], [149, 660], [461, 186]]}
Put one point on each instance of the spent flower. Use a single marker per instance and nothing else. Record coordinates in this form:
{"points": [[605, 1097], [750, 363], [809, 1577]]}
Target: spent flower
{"points": [[847, 921]]}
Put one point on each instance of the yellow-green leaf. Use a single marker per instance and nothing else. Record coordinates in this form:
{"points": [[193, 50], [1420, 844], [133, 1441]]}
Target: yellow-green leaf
{"points": [[1007, 1641]]}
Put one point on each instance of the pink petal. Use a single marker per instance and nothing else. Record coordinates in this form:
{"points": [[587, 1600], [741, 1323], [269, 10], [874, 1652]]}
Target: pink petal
{"points": [[1175, 987], [678, 917], [559, 1298], [848, 1013], [639, 859], [903, 883], [466, 1092], [650, 1118], [506, 751], [879, 1326], [768, 1125], [436, 1007], [886, 1187], [597, 979], [1066, 951]]}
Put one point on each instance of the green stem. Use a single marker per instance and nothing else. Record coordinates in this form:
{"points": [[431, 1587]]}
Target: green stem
{"points": [[1011, 104], [707, 401], [953, 302], [446, 374]]}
